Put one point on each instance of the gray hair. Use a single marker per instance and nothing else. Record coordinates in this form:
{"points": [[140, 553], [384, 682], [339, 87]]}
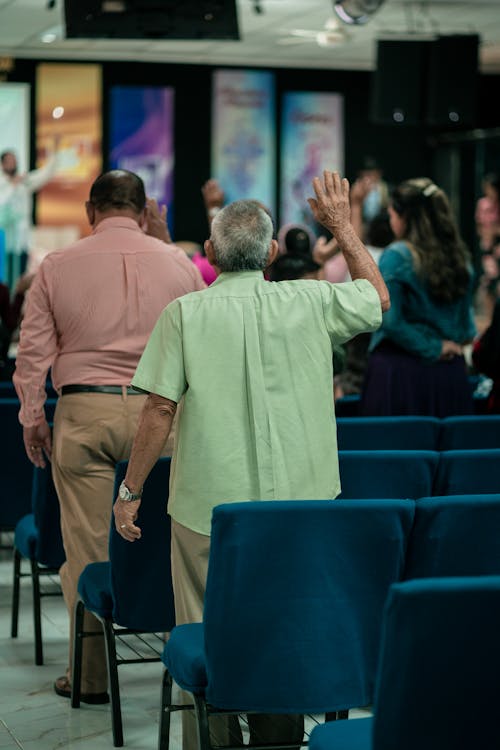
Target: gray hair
{"points": [[241, 237]]}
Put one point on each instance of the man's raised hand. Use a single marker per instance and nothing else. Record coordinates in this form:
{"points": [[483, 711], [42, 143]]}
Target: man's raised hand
{"points": [[331, 206]]}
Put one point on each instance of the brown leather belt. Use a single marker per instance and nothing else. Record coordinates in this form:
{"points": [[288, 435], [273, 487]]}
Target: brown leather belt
{"points": [[66, 389]]}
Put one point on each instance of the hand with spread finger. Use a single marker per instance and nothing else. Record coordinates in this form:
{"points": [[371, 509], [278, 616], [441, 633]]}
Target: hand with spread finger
{"points": [[331, 206]]}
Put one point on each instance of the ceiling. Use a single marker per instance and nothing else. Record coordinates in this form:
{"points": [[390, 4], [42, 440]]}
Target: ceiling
{"points": [[268, 38]]}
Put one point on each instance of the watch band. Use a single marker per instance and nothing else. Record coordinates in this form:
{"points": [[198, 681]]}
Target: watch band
{"points": [[126, 495]]}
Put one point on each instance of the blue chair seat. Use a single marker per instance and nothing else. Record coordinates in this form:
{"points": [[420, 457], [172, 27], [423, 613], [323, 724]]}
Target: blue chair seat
{"points": [[94, 588], [185, 657], [354, 734], [26, 536]]}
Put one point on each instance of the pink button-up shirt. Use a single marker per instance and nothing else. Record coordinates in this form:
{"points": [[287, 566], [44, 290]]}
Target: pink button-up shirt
{"points": [[91, 308]]}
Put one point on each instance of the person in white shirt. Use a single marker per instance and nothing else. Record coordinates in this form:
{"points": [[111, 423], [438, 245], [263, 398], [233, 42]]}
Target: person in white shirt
{"points": [[16, 206]]}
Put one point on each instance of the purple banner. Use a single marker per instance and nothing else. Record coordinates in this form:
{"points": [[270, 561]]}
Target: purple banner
{"points": [[142, 138]]}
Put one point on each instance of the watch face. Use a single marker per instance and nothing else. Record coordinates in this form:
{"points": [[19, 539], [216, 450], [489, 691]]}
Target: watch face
{"points": [[123, 492]]}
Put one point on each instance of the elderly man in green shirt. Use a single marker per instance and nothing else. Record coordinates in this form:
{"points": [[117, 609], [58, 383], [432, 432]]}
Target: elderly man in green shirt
{"points": [[252, 361]]}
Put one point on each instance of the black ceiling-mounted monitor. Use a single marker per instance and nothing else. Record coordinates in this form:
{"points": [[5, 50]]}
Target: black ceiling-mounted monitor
{"points": [[151, 19]]}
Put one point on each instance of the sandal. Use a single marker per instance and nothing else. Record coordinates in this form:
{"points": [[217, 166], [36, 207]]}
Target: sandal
{"points": [[62, 686]]}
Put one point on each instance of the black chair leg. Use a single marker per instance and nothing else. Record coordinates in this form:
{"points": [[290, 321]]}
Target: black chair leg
{"points": [[15, 594], [166, 702], [114, 685], [334, 715], [202, 723], [76, 667], [37, 619]]}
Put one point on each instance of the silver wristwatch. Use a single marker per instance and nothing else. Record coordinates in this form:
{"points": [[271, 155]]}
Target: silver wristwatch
{"points": [[125, 494]]}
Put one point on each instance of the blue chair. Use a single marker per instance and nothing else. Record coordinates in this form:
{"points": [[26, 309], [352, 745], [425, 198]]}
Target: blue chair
{"points": [[455, 536], [437, 683], [293, 606], [369, 474], [388, 433], [132, 593], [470, 433], [348, 406], [16, 470], [38, 539], [468, 472]]}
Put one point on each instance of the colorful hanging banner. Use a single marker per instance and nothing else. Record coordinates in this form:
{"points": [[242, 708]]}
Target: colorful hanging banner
{"points": [[14, 122], [312, 139], [142, 138], [68, 110], [14, 137], [244, 135]]}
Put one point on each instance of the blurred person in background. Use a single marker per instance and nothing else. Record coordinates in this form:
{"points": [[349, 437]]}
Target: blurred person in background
{"points": [[416, 365]]}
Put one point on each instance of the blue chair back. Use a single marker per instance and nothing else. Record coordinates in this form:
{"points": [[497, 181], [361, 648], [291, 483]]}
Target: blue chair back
{"points": [[468, 472], [7, 389], [455, 536], [294, 600], [369, 474], [437, 684], [388, 433], [141, 583], [348, 406], [16, 471], [470, 433], [49, 549]]}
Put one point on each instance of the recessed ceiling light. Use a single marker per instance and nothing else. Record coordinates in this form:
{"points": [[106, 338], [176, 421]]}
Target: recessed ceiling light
{"points": [[51, 35]]}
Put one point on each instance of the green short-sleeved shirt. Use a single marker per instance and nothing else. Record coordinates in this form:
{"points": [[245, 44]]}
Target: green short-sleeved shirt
{"points": [[253, 361]]}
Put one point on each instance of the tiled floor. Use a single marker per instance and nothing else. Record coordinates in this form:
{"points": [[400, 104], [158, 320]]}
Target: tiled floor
{"points": [[33, 717]]}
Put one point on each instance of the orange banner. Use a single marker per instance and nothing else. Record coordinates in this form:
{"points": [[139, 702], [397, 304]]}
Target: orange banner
{"points": [[68, 112]]}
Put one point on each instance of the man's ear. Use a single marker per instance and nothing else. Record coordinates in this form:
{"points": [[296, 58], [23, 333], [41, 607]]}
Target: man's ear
{"points": [[273, 252], [142, 218], [210, 253], [90, 211]]}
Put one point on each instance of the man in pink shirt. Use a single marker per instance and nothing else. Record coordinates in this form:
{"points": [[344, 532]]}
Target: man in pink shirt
{"points": [[89, 314]]}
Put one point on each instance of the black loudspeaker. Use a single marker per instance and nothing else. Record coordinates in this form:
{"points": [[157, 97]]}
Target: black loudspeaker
{"points": [[151, 19], [451, 95], [399, 83]]}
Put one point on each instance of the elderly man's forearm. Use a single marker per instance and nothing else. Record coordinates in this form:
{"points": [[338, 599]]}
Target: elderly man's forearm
{"points": [[154, 428], [361, 264]]}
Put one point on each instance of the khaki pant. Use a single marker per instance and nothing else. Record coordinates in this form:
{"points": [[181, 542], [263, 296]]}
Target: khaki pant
{"points": [[92, 432], [190, 553]]}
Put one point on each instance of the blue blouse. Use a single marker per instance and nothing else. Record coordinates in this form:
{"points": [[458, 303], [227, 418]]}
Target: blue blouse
{"points": [[415, 321]]}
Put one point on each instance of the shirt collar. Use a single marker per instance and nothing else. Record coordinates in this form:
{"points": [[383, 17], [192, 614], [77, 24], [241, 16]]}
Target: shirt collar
{"points": [[115, 222], [238, 275]]}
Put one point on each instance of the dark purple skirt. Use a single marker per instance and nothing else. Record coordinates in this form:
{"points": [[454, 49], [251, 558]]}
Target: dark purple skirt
{"points": [[398, 383]]}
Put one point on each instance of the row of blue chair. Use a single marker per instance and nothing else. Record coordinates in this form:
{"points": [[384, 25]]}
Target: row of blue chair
{"points": [[414, 474], [439, 536], [294, 560], [380, 434], [418, 433]]}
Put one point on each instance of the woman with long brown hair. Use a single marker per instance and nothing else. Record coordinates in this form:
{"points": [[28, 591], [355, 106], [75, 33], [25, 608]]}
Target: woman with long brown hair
{"points": [[416, 364]]}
